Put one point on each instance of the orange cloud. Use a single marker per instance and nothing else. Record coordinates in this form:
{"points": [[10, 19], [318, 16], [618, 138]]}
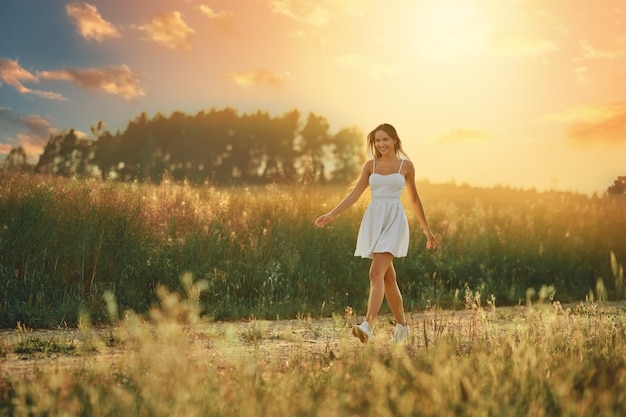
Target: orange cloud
{"points": [[89, 22], [257, 77], [465, 136], [223, 20], [593, 123], [38, 125], [14, 75], [211, 14], [34, 131], [521, 46], [313, 16], [581, 73], [32, 144], [120, 81], [611, 129], [591, 52], [169, 30], [309, 12]]}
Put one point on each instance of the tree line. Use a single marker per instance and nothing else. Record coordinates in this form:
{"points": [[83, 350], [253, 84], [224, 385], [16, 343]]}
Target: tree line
{"points": [[218, 146]]}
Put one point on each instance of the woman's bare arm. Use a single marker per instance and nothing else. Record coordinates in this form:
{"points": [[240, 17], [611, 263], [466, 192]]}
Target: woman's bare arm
{"points": [[350, 199], [416, 203]]}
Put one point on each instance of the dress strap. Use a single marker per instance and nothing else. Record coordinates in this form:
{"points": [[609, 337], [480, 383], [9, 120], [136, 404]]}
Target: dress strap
{"points": [[401, 162], [374, 169]]}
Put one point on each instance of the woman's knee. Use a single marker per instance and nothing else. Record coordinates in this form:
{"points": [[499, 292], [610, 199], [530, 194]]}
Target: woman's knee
{"points": [[390, 275], [380, 266], [389, 279], [376, 276]]}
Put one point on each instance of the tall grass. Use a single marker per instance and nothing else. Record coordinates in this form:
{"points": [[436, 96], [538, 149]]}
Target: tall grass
{"points": [[64, 243], [535, 361]]}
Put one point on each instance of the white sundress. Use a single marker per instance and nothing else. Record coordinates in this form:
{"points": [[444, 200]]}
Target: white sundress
{"points": [[384, 227]]}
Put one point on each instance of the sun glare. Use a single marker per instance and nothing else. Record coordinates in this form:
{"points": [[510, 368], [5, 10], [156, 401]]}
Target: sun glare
{"points": [[446, 30], [448, 17]]}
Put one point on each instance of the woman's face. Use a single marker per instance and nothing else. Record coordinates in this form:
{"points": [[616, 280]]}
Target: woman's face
{"points": [[384, 143]]}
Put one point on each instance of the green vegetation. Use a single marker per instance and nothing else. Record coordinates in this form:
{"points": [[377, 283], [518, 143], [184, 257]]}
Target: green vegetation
{"points": [[618, 187], [538, 360], [65, 243], [218, 146]]}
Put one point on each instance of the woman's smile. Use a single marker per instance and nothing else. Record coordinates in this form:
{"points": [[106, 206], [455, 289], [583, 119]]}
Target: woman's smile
{"points": [[383, 142]]}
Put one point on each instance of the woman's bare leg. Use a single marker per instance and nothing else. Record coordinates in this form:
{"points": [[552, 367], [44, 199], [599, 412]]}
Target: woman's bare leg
{"points": [[378, 270], [393, 295]]}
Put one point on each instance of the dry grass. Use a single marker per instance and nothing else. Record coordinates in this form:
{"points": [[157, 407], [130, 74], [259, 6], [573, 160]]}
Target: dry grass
{"points": [[539, 360]]}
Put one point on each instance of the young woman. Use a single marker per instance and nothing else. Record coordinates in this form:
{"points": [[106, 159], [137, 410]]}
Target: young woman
{"points": [[384, 231]]}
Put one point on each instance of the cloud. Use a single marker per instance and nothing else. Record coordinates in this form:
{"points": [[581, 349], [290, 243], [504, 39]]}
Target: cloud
{"points": [[169, 30], [521, 46], [581, 73], [314, 16], [14, 75], [31, 132], [465, 136], [308, 12], [592, 123], [223, 20], [317, 13], [589, 51], [120, 81], [481, 41], [362, 63], [257, 77], [211, 14], [90, 24], [32, 144], [33, 124]]}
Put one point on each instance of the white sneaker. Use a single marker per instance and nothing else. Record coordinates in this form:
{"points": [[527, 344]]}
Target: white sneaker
{"points": [[401, 334], [363, 331]]}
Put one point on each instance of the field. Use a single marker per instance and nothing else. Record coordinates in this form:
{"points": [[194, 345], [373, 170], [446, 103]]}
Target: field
{"points": [[178, 299], [539, 360], [65, 244]]}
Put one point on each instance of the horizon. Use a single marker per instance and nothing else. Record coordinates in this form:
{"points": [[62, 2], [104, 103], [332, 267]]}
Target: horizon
{"points": [[516, 93]]}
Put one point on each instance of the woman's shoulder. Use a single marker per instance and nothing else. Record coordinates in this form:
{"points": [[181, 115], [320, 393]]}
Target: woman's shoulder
{"points": [[407, 164]]}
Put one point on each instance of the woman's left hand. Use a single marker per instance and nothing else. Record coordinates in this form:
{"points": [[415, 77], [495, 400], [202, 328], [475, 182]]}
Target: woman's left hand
{"points": [[431, 243]]}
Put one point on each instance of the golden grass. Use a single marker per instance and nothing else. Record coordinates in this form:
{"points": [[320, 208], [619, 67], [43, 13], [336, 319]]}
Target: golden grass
{"points": [[91, 250], [538, 360]]}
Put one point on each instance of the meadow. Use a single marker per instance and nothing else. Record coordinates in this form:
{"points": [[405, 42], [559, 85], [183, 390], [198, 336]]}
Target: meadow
{"points": [[190, 300], [66, 243], [543, 359]]}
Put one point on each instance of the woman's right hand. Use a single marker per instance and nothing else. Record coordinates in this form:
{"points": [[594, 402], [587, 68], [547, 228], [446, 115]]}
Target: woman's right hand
{"points": [[323, 220]]}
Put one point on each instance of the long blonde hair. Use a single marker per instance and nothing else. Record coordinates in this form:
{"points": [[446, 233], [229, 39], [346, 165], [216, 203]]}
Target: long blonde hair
{"points": [[393, 134]]}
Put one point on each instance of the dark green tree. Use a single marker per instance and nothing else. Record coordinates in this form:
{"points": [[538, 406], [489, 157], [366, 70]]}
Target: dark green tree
{"points": [[67, 155], [218, 146], [347, 155], [107, 155], [135, 145], [313, 147], [16, 161], [279, 149], [618, 187]]}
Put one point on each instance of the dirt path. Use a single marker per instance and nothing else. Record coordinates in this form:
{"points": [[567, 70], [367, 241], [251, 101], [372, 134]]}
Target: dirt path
{"points": [[226, 344]]}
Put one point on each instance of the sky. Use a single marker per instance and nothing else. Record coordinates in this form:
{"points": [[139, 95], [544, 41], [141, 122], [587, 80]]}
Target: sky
{"points": [[517, 93]]}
